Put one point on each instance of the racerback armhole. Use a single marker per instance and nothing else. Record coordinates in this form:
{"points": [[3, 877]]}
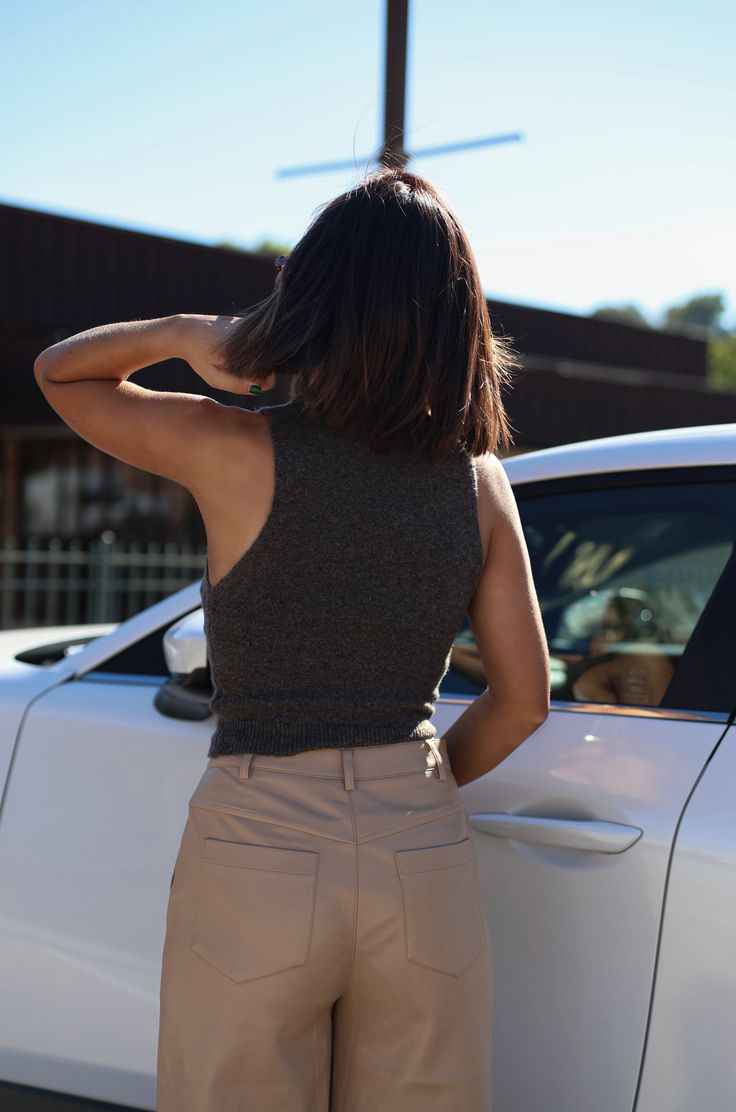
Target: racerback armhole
{"points": [[271, 522]]}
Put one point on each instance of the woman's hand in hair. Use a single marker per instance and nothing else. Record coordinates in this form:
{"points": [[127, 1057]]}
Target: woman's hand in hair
{"points": [[199, 341]]}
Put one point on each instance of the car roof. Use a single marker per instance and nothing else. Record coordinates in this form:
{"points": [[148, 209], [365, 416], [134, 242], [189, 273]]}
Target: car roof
{"points": [[693, 446]]}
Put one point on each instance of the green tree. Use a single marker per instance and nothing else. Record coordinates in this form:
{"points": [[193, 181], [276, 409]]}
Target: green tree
{"points": [[721, 368], [700, 315], [622, 314], [270, 247]]}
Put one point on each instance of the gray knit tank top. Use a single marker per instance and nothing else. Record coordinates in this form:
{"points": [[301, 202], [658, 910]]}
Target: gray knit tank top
{"points": [[335, 627]]}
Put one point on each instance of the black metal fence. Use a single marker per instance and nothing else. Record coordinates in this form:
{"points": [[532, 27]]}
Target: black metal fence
{"points": [[68, 582]]}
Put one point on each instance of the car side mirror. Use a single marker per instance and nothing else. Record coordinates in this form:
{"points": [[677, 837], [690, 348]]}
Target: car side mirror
{"points": [[187, 692]]}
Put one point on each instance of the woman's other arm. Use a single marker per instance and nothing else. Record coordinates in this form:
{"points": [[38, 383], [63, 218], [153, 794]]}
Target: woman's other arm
{"points": [[508, 629]]}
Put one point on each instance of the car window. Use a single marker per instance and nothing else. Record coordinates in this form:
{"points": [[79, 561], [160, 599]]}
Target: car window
{"points": [[623, 576]]}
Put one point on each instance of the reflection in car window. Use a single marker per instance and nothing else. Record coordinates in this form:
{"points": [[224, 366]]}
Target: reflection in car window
{"points": [[622, 576]]}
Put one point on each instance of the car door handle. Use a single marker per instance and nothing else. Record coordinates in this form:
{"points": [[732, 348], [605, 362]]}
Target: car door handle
{"points": [[587, 834]]}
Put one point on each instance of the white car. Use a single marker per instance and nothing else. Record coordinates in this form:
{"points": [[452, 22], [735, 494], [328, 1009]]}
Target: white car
{"points": [[606, 841]]}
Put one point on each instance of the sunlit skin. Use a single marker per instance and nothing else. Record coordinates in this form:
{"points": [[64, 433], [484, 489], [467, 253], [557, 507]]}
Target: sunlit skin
{"points": [[113, 352], [219, 453]]}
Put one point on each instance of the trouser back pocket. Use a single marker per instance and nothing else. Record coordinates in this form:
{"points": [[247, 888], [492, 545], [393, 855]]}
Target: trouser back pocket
{"points": [[443, 921], [254, 907]]}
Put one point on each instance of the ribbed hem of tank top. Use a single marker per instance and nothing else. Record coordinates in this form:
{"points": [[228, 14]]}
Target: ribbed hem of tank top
{"points": [[276, 738]]}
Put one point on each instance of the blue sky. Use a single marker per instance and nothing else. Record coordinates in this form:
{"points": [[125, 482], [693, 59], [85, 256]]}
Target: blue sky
{"points": [[174, 117]]}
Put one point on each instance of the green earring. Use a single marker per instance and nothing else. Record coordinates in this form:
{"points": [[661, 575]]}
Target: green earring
{"points": [[256, 390]]}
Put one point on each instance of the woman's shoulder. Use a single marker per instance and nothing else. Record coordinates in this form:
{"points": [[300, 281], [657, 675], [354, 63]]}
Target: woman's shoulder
{"points": [[495, 496]]}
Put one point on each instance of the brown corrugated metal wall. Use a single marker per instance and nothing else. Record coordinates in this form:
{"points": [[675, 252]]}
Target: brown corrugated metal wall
{"points": [[590, 340]]}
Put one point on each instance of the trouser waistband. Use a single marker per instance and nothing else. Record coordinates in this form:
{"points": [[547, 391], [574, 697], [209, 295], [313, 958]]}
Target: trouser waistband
{"points": [[365, 762]]}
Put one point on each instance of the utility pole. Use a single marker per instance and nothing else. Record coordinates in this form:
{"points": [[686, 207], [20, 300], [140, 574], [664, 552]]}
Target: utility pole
{"points": [[394, 106], [393, 151]]}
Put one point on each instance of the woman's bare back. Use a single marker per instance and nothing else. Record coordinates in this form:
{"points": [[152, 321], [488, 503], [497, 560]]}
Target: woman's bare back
{"points": [[236, 493]]}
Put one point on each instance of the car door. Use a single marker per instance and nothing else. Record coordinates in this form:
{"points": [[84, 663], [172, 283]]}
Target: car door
{"points": [[574, 830], [92, 818], [689, 1061]]}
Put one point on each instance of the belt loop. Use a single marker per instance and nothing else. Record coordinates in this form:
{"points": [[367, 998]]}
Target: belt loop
{"points": [[439, 764], [245, 766], [347, 769], [442, 770]]}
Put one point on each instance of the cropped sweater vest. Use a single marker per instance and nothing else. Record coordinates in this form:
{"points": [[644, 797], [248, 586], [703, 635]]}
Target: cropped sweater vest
{"points": [[336, 626]]}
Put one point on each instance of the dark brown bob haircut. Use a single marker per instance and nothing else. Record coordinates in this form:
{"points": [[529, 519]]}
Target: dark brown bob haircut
{"points": [[379, 318]]}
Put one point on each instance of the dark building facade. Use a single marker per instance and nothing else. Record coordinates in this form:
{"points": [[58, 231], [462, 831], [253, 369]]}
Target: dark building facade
{"points": [[581, 377]]}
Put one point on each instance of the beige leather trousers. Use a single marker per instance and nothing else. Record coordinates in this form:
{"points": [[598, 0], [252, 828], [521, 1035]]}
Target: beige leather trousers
{"points": [[326, 946]]}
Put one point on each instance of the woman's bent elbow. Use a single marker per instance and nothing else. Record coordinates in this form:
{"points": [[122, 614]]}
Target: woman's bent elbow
{"points": [[535, 716], [543, 714]]}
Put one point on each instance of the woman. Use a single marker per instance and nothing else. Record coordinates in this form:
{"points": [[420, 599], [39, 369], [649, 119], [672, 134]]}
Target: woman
{"points": [[325, 939]]}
